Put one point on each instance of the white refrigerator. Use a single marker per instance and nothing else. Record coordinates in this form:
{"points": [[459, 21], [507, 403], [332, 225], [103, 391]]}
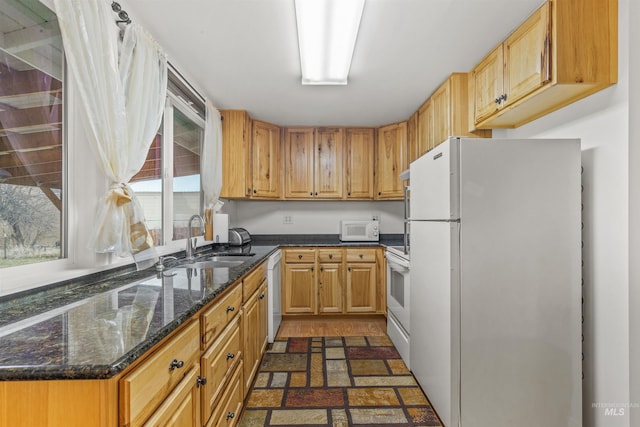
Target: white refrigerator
{"points": [[496, 281]]}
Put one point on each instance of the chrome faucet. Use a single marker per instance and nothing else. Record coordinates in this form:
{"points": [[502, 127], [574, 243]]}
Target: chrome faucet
{"points": [[191, 240]]}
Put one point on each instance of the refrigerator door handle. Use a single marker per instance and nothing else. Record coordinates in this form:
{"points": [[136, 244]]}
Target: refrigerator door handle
{"points": [[407, 189]]}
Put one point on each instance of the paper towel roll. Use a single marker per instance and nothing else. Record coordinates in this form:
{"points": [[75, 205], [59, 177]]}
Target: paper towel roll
{"points": [[220, 228]]}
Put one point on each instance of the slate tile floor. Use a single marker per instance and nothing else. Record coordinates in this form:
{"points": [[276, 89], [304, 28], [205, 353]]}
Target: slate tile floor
{"points": [[338, 382]]}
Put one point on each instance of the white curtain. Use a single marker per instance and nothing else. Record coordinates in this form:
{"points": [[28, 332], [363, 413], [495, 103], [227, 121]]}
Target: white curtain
{"points": [[211, 166], [123, 91]]}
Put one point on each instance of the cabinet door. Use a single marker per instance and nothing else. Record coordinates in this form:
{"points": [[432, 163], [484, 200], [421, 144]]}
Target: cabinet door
{"points": [[359, 148], [266, 160], [182, 406], [441, 106], [298, 145], [328, 163], [488, 84], [236, 154], [526, 51], [391, 160], [299, 292], [361, 287], [425, 128], [412, 138], [330, 288], [250, 332]]}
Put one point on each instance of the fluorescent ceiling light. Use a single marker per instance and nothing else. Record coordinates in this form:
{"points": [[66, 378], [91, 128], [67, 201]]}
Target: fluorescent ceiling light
{"points": [[327, 31]]}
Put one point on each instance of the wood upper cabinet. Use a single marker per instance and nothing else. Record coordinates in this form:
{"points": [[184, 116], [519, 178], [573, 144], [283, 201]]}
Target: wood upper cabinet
{"points": [[299, 159], [425, 128], [441, 106], [266, 169], [313, 163], [391, 160], [236, 154], [566, 50], [359, 149], [412, 137], [328, 164]]}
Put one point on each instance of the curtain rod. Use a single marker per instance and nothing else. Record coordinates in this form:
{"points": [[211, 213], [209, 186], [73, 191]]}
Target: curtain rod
{"points": [[122, 14]]}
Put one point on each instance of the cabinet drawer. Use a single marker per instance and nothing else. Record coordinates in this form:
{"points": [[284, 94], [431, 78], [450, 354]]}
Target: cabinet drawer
{"points": [[330, 255], [147, 386], [253, 280], [183, 404], [361, 255], [300, 255], [214, 320], [218, 364], [227, 413]]}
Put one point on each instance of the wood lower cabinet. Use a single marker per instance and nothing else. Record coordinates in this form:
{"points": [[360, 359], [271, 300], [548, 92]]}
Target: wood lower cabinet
{"points": [[254, 324], [299, 295], [227, 413], [182, 407], [149, 385], [328, 281], [362, 281], [566, 50]]}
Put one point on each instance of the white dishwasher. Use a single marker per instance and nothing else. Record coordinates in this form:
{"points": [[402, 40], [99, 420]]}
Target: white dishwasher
{"points": [[273, 292]]}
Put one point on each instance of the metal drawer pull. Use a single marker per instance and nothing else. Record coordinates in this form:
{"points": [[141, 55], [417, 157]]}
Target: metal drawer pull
{"points": [[201, 381], [361, 256], [299, 256], [230, 415], [175, 363], [330, 256], [261, 296], [230, 355], [229, 308]]}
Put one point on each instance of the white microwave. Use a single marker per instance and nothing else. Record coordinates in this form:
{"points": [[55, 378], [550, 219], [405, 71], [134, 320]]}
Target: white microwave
{"points": [[359, 231]]}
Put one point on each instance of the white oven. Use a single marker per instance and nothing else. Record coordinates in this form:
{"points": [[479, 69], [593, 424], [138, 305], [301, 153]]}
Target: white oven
{"points": [[398, 294]]}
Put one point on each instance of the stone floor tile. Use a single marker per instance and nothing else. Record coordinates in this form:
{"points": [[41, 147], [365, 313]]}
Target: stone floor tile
{"points": [[299, 417], [298, 379], [379, 341], [284, 362], [278, 347], [279, 379], [368, 367], [378, 396], [412, 396], [333, 342], [378, 416], [269, 398], [253, 418], [262, 380], [424, 415], [317, 370], [339, 418], [355, 341], [397, 366], [315, 398], [404, 380], [334, 353]]}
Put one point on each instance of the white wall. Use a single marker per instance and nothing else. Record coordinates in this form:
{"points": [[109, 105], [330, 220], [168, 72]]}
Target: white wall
{"points": [[602, 122], [310, 217]]}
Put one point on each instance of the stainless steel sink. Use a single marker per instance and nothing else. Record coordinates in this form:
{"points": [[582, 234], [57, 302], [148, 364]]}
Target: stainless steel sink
{"points": [[211, 264]]}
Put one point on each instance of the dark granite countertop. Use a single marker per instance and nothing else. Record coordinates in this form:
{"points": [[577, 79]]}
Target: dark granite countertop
{"points": [[95, 326]]}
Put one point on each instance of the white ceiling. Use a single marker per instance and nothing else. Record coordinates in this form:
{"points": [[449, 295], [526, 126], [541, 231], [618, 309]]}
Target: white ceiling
{"points": [[244, 54]]}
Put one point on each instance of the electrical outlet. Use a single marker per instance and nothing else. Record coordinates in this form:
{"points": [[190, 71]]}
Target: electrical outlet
{"points": [[375, 217], [287, 219]]}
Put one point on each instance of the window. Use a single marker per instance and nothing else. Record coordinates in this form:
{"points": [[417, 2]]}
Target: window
{"points": [[31, 134], [175, 154]]}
